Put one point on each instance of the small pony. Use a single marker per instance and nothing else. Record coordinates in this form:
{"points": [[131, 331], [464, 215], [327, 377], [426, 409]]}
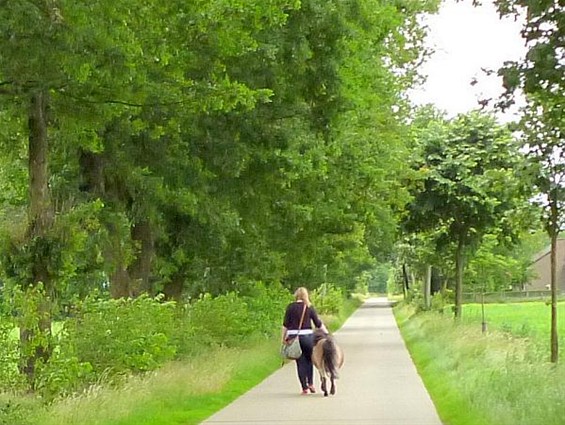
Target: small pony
{"points": [[328, 357]]}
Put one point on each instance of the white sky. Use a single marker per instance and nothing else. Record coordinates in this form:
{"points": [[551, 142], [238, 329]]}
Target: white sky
{"points": [[466, 39]]}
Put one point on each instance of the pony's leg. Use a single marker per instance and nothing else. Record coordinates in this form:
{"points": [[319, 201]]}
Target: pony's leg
{"points": [[324, 386], [332, 390], [323, 380]]}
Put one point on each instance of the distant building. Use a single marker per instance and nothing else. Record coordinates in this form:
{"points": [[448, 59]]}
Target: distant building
{"points": [[541, 267]]}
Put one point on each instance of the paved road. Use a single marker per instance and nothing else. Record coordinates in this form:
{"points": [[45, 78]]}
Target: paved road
{"points": [[378, 384]]}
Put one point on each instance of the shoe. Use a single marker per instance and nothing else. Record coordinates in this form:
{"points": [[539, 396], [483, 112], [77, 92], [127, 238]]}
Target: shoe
{"points": [[312, 389], [304, 391]]}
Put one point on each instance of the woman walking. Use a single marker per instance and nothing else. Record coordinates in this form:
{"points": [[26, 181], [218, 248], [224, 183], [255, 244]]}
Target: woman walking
{"points": [[297, 310]]}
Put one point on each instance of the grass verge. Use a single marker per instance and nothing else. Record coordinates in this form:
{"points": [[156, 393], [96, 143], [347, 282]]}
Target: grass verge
{"points": [[477, 379], [180, 393]]}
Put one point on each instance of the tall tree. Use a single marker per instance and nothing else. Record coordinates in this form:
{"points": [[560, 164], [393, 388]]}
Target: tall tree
{"points": [[29, 82], [309, 173], [206, 143], [74, 70]]}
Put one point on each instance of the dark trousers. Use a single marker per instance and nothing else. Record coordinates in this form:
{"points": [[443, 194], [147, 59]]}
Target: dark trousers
{"points": [[304, 363]]}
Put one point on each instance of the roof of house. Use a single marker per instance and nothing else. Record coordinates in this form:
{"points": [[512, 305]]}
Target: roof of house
{"points": [[545, 251]]}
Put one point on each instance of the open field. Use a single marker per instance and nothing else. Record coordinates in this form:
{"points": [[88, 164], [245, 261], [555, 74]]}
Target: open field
{"points": [[526, 319], [497, 378]]}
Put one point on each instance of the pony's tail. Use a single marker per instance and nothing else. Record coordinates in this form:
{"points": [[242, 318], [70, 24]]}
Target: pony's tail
{"points": [[330, 357]]}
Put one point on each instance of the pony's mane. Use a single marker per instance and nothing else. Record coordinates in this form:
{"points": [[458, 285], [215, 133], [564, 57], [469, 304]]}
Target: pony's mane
{"points": [[319, 334]]}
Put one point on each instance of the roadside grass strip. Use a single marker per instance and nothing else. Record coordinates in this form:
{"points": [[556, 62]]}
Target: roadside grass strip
{"points": [[496, 378], [180, 393]]}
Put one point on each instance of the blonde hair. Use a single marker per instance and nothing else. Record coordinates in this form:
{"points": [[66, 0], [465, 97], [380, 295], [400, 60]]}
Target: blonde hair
{"points": [[302, 294]]}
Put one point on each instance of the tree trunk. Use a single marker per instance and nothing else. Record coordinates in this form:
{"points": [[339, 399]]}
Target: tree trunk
{"points": [[427, 287], [459, 267], [437, 282], [40, 222], [120, 282], [554, 233], [174, 289], [405, 284], [93, 181], [92, 173], [140, 270]]}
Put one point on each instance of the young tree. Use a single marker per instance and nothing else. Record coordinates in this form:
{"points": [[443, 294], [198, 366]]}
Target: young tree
{"points": [[495, 267], [468, 185], [543, 136], [541, 78]]}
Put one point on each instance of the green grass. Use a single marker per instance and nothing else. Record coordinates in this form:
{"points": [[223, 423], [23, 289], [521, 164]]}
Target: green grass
{"points": [[526, 319], [477, 379], [395, 297], [181, 393]]}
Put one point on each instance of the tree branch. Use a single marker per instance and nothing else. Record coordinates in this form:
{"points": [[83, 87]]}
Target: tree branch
{"points": [[121, 102]]}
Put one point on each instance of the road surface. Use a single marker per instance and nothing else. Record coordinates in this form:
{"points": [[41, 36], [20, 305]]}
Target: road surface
{"points": [[378, 385]]}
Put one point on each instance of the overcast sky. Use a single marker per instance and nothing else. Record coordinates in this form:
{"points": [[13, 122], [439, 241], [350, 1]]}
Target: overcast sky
{"points": [[466, 39]]}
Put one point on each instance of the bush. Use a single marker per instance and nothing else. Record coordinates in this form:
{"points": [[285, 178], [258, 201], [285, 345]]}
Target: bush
{"points": [[440, 301], [105, 339], [266, 308], [327, 298], [10, 377], [62, 375], [361, 286], [229, 319], [221, 320], [116, 336], [416, 296]]}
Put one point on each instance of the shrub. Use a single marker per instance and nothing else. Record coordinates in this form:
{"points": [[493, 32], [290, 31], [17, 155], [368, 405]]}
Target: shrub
{"points": [[10, 378], [231, 318], [442, 300], [62, 375], [103, 339], [266, 308], [219, 320], [115, 336], [327, 298]]}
